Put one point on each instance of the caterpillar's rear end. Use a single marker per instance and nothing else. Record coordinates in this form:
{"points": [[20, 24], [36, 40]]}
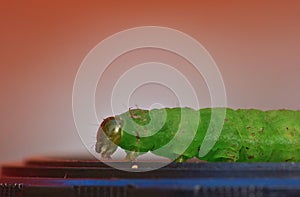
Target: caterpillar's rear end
{"points": [[251, 135]]}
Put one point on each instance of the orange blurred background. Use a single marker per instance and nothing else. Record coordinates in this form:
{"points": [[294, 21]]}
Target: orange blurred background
{"points": [[254, 43]]}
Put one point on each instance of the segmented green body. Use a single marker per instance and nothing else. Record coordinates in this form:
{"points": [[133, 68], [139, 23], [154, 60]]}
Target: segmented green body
{"points": [[247, 134]]}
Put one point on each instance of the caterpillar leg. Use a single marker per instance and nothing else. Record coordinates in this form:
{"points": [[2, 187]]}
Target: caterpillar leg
{"points": [[195, 160], [131, 155], [181, 159]]}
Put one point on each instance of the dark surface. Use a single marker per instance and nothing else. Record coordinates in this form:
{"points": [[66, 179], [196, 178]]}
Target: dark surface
{"points": [[82, 177]]}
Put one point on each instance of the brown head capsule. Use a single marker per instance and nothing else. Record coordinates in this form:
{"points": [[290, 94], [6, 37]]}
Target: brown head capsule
{"points": [[108, 137]]}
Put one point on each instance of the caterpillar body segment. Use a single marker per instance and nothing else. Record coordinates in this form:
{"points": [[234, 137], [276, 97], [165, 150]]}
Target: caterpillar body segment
{"points": [[247, 135]]}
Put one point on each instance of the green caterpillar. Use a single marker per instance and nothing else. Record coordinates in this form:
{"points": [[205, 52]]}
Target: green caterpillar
{"points": [[247, 135]]}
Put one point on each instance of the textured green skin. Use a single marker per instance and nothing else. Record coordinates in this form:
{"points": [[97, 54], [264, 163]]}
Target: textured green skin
{"points": [[248, 135]]}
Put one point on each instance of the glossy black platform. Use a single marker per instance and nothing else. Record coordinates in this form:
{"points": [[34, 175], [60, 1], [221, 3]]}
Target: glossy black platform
{"points": [[87, 177]]}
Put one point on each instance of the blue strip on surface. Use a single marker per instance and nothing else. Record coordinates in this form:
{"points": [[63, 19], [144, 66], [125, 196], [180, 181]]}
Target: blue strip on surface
{"points": [[183, 183]]}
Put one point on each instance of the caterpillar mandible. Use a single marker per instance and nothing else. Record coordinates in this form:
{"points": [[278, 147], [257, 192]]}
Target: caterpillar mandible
{"points": [[248, 135]]}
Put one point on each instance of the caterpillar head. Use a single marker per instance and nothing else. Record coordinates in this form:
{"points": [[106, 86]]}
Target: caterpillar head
{"points": [[108, 137]]}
